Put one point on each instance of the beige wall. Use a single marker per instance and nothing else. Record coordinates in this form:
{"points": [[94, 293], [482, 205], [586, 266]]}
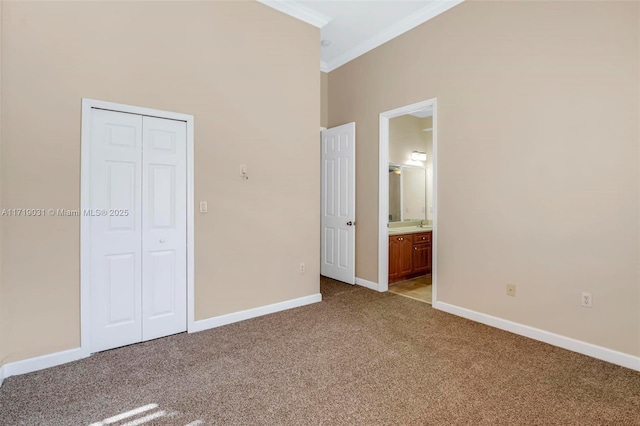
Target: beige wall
{"points": [[324, 99], [2, 351], [406, 136], [249, 75], [538, 158]]}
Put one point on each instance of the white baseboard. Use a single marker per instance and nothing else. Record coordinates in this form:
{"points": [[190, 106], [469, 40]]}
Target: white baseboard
{"points": [[252, 313], [368, 284], [39, 363], [589, 349]]}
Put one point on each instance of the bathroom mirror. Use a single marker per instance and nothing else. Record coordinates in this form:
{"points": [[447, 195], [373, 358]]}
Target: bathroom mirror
{"points": [[407, 193]]}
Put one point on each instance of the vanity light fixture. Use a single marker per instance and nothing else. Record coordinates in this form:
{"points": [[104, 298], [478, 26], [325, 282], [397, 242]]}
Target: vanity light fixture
{"points": [[419, 156]]}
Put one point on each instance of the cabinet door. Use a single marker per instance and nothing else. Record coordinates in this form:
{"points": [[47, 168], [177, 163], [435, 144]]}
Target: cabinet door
{"points": [[405, 266], [422, 258], [399, 257], [394, 258]]}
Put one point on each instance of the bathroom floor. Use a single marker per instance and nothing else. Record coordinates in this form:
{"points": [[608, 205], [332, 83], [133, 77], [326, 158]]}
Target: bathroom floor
{"points": [[416, 288]]}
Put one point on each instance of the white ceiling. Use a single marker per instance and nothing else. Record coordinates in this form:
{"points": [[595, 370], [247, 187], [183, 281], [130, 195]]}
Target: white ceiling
{"points": [[356, 26]]}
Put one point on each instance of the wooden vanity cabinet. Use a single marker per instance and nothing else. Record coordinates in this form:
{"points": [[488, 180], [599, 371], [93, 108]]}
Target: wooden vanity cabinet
{"points": [[409, 256], [400, 257], [422, 254]]}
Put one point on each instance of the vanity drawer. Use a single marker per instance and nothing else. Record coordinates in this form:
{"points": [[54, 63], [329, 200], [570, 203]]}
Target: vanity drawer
{"points": [[424, 237]]}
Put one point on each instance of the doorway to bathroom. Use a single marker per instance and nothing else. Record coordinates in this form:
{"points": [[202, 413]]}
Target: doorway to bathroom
{"points": [[407, 211]]}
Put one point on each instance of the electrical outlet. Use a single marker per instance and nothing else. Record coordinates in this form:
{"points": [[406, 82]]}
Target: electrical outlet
{"points": [[511, 290], [587, 302], [303, 268]]}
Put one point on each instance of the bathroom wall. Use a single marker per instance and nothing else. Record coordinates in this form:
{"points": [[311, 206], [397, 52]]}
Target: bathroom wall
{"points": [[414, 193], [406, 134], [395, 192]]}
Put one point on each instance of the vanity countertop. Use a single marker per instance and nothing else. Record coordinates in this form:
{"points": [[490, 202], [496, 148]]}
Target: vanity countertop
{"points": [[409, 230]]}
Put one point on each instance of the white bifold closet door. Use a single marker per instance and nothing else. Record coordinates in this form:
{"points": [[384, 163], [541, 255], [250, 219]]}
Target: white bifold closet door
{"points": [[138, 245]]}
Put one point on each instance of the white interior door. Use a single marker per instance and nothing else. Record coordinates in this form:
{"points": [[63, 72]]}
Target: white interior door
{"points": [[138, 248], [338, 218], [116, 264], [164, 228]]}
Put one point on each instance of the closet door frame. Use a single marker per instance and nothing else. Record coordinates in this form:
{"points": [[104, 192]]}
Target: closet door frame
{"points": [[85, 187]]}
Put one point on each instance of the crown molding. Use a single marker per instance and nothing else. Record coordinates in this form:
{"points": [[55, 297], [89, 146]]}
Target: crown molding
{"points": [[298, 11], [401, 27]]}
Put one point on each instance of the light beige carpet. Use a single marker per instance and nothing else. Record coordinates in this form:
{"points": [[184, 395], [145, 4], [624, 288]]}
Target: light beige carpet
{"points": [[416, 288], [359, 357]]}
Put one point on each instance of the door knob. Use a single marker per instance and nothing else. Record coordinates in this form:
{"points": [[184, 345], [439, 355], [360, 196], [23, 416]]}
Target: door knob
{"points": [[162, 240]]}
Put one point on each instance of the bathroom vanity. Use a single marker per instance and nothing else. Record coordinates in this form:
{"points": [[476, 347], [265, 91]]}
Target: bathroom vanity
{"points": [[409, 254]]}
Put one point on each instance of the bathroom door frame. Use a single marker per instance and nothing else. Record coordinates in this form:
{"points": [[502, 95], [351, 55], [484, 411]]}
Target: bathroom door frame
{"points": [[383, 187]]}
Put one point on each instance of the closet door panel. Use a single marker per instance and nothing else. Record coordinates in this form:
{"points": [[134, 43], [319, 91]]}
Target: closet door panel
{"points": [[115, 252], [164, 222]]}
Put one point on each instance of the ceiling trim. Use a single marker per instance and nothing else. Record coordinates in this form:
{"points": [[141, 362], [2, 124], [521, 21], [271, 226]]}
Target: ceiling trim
{"points": [[401, 27], [298, 11]]}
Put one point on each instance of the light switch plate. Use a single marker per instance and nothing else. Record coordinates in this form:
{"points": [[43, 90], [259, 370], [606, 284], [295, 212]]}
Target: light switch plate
{"points": [[203, 207]]}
